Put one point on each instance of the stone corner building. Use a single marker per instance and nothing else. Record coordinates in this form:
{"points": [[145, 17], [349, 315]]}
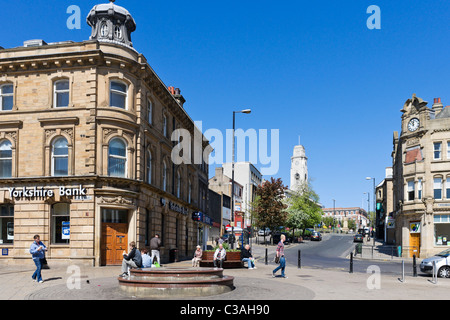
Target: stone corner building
{"points": [[85, 150], [421, 178]]}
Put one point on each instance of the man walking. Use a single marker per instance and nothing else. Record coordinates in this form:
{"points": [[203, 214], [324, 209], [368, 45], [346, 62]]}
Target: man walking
{"points": [[37, 250], [155, 244], [280, 255]]}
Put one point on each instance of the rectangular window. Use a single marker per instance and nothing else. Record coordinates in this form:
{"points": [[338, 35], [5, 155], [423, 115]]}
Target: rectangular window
{"points": [[6, 224], [437, 186], [437, 150], [419, 189], [448, 150], [61, 223], [114, 216], [410, 190], [447, 187], [441, 230], [6, 97], [118, 95], [164, 126], [150, 111], [61, 94]]}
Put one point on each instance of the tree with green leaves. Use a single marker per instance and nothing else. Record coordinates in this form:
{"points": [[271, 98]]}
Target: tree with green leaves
{"points": [[269, 208], [303, 210]]}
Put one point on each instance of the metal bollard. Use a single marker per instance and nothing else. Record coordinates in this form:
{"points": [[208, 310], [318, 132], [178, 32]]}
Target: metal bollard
{"points": [[414, 266], [403, 272], [299, 259], [266, 256], [351, 262]]}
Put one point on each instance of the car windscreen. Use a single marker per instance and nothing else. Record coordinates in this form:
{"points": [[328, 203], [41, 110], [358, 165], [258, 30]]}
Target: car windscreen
{"points": [[444, 253]]}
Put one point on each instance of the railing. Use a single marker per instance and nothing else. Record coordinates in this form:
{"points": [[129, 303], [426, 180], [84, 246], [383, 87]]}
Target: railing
{"points": [[385, 252]]}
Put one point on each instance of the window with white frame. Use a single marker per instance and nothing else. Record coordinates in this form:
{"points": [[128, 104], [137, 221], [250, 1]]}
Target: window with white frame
{"points": [[61, 93], [189, 192], [447, 188], [437, 147], [5, 159], [118, 94], [410, 190], [117, 158], [419, 188], [448, 150], [437, 188], [6, 97], [60, 157], [441, 229]]}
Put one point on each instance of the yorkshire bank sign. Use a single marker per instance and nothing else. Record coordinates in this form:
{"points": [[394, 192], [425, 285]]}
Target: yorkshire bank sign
{"points": [[41, 192]]}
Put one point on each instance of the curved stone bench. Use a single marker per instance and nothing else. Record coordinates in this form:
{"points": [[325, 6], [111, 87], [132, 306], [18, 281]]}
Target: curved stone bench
{"points": [[176, 282]]}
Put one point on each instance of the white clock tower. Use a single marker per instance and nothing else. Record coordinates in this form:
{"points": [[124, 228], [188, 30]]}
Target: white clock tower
{"points": [[299, 168]]}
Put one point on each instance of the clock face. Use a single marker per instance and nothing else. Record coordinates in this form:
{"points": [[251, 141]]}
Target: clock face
{"points": [[413, 125]]}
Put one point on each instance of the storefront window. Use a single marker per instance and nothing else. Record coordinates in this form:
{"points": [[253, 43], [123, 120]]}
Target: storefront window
{"points": [[61, 223], [6, 224], [441, 229]]}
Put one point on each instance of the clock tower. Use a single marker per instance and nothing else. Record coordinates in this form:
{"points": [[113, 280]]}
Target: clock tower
{"points": [[299, 168]]}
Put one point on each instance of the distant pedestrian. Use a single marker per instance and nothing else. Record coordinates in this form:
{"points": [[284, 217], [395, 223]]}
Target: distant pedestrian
{"points": [[280, 255], [247, 256], [155, 245], [131, 260], [146, 261], [197, 257], [37, 250]]}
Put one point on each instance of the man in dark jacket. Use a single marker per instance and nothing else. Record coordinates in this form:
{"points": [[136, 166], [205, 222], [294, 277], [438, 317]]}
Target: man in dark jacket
{"points": [[155, 244], [131, 260], [247, 256]]}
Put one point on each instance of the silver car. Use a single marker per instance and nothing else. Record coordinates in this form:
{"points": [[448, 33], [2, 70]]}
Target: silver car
{"points": [[442, 260]]}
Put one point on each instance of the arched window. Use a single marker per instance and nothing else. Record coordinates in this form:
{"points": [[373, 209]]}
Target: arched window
{"points": [[149, 167], [118, 94], [117, 158], [60, 157], [61, 93], [5, 159], [6, 97]]}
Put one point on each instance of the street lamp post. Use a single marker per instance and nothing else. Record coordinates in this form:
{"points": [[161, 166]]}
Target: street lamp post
{"points": [[374, 206], [246, 111]]}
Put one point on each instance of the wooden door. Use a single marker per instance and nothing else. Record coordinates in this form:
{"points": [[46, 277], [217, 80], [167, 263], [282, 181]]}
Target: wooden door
{"points": [[114, 242], [414, 245]]}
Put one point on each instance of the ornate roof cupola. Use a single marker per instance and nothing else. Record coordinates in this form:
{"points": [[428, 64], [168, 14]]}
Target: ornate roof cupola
{"points": [[111, 23]]}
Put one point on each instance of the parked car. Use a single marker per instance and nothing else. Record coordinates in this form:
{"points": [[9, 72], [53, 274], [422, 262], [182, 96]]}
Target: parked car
{"points": [[358, 238], [276, 238], [316, 236], [442, 260], [264, 232]]}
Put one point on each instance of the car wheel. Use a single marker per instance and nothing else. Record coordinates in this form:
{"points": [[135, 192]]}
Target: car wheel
{"points": [[444, 272]]}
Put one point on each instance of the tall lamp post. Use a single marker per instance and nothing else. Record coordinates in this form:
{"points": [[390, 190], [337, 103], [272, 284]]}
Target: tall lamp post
{"points": [[368, 205], [374, 206], [246, 111]]}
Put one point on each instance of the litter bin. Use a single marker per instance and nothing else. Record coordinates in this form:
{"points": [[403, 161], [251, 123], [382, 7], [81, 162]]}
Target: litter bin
{"points": [[359, 248], [173, 255]]}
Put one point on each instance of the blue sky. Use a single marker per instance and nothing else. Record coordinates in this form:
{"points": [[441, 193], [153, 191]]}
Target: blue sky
{"points": [[308, 68]]}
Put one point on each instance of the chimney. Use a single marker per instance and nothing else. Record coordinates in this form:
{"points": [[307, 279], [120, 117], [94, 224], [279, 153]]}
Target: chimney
{"points": [[176, 93], [437, 105]]}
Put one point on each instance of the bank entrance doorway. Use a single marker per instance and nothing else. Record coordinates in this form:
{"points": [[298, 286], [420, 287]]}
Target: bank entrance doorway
{"points": [[114, 236]]}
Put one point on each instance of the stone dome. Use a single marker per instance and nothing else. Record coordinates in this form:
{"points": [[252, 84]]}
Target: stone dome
{"points": [[111, 23]]}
